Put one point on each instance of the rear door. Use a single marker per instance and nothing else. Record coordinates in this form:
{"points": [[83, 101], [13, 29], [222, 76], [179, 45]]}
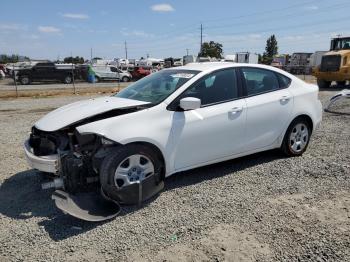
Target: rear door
{"points": [[269, 106]]}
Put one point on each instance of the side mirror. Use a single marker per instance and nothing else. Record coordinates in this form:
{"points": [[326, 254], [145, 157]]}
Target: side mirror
{"points": [[190, 103]]}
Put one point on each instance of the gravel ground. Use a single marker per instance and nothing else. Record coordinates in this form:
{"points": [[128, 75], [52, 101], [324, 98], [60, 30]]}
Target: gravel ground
{"points": [[258, 208]]}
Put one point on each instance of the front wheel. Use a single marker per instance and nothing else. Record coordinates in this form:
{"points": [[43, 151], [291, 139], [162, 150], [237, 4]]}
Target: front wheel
{"points": [[125, 168], [296, 138], [68, 79], [341, 83], [24, 80], [125, 79]]}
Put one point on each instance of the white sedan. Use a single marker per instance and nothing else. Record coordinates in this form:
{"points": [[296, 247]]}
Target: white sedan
{"points": [[123, 146]]}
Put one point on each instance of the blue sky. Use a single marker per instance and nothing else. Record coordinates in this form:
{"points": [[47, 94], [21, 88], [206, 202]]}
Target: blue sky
{"points": [[52, 29]]}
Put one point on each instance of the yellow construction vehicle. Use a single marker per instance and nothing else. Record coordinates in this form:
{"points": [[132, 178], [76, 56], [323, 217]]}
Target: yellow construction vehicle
{"points": [[335, 64]]}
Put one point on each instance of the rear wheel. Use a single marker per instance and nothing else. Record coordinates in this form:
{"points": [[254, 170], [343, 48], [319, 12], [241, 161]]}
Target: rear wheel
{"points": [[323, 84], [97, 79], [24, 80], [128, 165], [341, 83], [125, 79], [297, 138]]}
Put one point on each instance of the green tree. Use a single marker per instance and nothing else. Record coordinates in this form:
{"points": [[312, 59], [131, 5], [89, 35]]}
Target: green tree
{"points": [[74, 60], [212, 49], [271, 50], [4, 59]]}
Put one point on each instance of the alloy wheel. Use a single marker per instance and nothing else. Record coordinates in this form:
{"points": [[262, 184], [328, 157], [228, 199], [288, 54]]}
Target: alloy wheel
{"points": [[299, 137], [133, 169]]}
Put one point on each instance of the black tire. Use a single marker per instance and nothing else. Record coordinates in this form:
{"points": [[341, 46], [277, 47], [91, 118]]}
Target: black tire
{"points": [[97, 79], [323, 84], [341, 83], [116, 157], [125, 79], [286, 146], [68, 79], [24, 80]]}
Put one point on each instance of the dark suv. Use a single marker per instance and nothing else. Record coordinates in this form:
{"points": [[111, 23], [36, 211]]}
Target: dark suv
{"points": [[45, 72]]}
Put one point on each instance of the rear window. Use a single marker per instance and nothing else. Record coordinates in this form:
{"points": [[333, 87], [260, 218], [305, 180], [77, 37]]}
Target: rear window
{"points": [[283, 81]]}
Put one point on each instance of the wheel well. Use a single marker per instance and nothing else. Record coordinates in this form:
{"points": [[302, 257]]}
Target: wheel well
{"points": [[307, 119], [156, 150]]}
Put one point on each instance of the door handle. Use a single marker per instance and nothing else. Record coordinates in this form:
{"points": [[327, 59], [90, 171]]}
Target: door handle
{"points": [[236, 110], [284, 98]]}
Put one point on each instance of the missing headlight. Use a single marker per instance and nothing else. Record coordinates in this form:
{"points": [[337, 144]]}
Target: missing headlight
{"points": [[106, 141]]}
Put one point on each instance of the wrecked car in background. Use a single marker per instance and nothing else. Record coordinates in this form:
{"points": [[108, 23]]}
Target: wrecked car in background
{"points": [[119, 149]]}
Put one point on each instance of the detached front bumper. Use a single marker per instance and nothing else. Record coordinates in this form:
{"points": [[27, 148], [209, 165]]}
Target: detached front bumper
{"points": [[47, 164]]}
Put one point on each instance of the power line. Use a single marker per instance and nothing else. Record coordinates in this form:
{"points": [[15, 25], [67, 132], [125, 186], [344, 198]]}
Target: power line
{"points": [[276, 29], [280, 18], [245, 24], [265, 12]]}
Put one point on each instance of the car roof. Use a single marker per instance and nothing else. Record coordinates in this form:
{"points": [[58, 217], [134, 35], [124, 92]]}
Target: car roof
{"points": [[210, 66]]}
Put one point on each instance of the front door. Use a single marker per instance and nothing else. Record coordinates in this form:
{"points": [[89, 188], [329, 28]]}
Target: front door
{"points": [[215, 130]]}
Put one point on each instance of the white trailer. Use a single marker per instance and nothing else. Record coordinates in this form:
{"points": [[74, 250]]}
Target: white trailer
{"points": [[189, 59], [316, 58], [247, 58]]}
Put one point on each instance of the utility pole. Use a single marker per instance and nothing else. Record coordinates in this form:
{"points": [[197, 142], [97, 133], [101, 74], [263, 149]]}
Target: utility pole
{"points": [[200, 50], [187, 51], [126, 50], [73, 81], [91, 55]]}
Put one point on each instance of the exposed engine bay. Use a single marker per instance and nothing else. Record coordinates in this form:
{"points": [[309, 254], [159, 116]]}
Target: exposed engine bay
{"points": [[79, 191]]}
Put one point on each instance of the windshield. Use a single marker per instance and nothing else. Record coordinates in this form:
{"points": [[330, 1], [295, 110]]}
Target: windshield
{"points": [[340, 44], [158, 86]]}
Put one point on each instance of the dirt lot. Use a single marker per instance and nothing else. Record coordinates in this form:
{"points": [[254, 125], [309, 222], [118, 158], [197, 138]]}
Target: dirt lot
{"points": [[258, 208]]}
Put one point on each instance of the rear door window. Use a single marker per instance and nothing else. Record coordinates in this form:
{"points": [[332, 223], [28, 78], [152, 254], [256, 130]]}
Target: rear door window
{"points": [[284, 81], [259, 81]]}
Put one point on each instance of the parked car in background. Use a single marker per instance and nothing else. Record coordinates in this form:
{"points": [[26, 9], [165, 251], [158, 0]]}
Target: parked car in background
{"points": [[2, 75], [140, 72], [170, 121], [107, 72], [3, 68], [45, 71]]}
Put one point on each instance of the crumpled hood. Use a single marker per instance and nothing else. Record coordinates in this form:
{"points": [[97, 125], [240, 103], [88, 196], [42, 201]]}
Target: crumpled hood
{"points": [[72, 113]]}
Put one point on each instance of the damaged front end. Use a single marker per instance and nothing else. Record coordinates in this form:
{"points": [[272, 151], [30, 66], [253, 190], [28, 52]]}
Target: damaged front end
{"points": [[76, 160]]}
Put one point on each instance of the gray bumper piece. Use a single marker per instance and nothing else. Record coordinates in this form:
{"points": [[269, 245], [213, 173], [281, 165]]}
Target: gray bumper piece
{"points": [[86, 206], [340, 96]]}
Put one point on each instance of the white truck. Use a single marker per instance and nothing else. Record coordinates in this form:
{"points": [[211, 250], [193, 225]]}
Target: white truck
{"points": [[316, 58], [107, 72]]}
